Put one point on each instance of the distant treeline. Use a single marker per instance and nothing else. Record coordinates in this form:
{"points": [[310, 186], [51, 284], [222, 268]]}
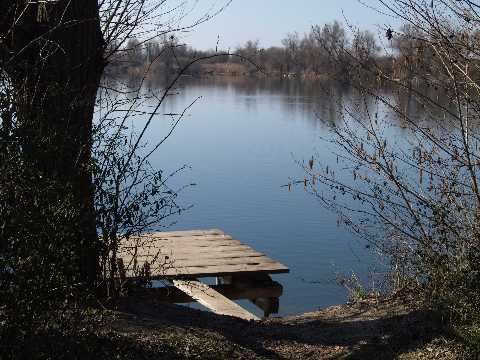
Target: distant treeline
{"points": [[326, 52]]}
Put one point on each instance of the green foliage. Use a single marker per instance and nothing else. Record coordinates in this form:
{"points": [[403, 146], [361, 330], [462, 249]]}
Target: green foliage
{"points": [[39, 264], [470, 336], [454, 285]]}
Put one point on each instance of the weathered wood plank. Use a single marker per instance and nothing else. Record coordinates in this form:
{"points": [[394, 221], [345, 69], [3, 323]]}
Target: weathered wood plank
{"points": [[161, 237], [274, 268], [213, 300], [244, 260], [160, 241], [205, 254], [171, 272], [203, 258], [193, 266], [189, 233], [212, 249], [141, 252], [156, 239], [167, 245]]}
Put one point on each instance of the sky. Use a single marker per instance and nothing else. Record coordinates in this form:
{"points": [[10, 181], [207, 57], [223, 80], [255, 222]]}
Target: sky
{"points": [[270, 20]]}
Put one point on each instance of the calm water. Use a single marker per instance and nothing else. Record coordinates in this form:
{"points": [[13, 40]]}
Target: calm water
{"points": [[241, 140]]}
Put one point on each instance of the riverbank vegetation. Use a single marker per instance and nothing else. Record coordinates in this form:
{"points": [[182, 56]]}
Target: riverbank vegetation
{"points": [[415, 196]]}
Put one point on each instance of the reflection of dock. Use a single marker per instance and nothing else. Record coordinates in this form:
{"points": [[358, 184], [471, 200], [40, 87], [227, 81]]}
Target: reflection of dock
{"points": [[184, 256]]}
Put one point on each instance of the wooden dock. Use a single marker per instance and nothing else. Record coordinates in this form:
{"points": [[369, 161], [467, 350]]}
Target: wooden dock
{"points": [[184, 256]]}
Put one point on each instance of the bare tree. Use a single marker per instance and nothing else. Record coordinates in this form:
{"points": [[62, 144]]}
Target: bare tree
{"points": [[292, 51], [415, 197]]}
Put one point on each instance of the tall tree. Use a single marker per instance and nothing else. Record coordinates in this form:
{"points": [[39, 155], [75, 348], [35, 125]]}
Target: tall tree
{"points": [[53, 55]]}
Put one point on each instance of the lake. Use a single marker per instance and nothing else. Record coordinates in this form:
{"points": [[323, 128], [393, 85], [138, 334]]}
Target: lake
{"points": [[241, 140]]}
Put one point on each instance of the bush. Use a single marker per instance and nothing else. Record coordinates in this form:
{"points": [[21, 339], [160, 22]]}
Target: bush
{"points": [[414, 193]]}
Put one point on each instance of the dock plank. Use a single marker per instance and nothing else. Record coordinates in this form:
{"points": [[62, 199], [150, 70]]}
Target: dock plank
{"points": [[212, 236], [174, 272], [194, 254], [239, 260], [212, 299], [205, 255], [190, 233], [190, 238], [166, 245]]}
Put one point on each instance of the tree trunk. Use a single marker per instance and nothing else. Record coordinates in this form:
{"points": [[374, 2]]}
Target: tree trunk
{"points": [[55, 67]]}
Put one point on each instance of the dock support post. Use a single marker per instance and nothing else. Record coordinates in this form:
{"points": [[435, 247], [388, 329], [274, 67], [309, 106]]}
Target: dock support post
{"points": [[269, 305]]}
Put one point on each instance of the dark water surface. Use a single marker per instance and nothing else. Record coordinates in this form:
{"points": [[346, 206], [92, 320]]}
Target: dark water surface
{"points": [[241, 140]]}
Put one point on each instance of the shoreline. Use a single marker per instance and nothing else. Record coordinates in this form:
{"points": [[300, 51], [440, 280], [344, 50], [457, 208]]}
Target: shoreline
{"points": [[368, 329]]}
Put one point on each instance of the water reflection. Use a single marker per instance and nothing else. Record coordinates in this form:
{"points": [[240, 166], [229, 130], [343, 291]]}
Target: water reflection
{"points": [[316, 102], [327, 100]]}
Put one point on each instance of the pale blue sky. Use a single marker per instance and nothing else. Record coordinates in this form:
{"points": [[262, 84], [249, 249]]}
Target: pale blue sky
{"points": [[270, 20]]}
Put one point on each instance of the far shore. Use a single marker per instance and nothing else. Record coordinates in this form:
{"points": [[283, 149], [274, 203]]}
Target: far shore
{"points": [[209, 70]]}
